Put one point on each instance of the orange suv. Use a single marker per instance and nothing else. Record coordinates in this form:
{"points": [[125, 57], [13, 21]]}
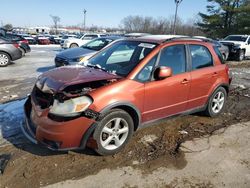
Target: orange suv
{"points": [[126, 85]]}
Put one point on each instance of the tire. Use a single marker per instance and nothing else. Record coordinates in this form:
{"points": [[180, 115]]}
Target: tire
{"points": [[224, 57], [74, 45], [23, 51], [241, 55], [4, 59], [216, 103], [109, 140]]}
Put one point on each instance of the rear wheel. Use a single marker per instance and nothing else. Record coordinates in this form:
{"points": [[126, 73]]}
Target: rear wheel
{"points": [[74, 45], [113, 132], [216, 102], [4, 59]]}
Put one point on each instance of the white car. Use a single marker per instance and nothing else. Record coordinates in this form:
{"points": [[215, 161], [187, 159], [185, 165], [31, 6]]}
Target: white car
{"points": [[76, 42], [239, 46]]}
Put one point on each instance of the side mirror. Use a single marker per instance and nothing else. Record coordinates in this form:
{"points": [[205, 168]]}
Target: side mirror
{"points": [[162, 73]]}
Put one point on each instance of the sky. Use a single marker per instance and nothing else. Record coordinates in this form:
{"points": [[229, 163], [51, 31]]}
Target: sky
{"points": [[106, 13]]}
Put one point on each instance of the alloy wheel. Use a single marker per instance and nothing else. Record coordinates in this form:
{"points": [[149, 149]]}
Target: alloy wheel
{"points": [[114, 133], [3, 59], [218, 102]]}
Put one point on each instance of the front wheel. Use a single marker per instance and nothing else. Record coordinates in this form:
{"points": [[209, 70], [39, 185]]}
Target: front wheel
{"points": [[241, 55], [73, 45], [216, 102], [113, 132]]}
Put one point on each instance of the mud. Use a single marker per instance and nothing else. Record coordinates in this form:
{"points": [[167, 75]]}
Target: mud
{"points": [[33, 166], [152, 147]]}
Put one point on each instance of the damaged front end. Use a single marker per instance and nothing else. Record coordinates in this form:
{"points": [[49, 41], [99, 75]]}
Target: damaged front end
{"points": [[72, 102]]}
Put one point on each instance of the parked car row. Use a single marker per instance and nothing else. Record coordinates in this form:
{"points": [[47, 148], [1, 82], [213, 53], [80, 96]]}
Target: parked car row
{"points": [[12, 47]]}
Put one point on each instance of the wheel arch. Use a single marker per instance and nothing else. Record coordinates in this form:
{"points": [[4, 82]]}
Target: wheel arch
{"points": [[7, 54], [131, 109], [73, 43], [224, 85]]}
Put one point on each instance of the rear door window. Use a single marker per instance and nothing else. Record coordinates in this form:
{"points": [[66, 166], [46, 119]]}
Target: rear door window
{"points": [[201, 57]]}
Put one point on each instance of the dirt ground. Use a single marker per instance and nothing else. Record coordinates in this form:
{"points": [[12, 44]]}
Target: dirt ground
{"points": [[151, 147]]}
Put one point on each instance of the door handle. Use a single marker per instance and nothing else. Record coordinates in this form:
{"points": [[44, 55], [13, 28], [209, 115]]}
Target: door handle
{"points": [[185, 81], [215, 74]]}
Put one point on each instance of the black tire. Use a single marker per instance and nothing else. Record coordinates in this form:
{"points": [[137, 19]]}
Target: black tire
{"points": [[107, 120], [74, 45], [23, 51], [209, 108], [4, 59], [240, 55]]}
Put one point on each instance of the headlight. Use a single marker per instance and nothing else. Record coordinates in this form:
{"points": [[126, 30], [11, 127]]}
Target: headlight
{"points": [[71, 107], [85, 58], [78, 59]]}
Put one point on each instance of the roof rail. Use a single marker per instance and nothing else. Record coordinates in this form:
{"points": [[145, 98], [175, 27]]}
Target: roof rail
{"points": [[187, 38]]}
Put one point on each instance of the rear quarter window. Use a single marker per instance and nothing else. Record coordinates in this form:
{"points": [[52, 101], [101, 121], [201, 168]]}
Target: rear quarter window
{"points": [[218, 53]]}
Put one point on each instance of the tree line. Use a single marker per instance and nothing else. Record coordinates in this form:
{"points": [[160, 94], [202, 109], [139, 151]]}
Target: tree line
{"points": [[225, 17]]}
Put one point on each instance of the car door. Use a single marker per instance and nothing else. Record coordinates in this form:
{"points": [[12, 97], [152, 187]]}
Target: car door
{"points": [[203, 75], [168, 96]]}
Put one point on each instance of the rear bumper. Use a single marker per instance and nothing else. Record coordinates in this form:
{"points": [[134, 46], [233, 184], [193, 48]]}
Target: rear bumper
{"points": [[60, 136]]}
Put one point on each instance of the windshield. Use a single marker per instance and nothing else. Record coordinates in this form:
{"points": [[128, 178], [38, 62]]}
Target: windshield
{"points": [[236, 38], [121, 57], [97, 44]]}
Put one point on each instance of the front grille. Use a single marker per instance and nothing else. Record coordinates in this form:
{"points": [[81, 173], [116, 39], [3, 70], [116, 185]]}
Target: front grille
{"points": [[61, 61], [44, 100]]}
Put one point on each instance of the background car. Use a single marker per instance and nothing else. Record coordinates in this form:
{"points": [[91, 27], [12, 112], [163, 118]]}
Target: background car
{"points": [[23, 43], [54, 40], [75, 55], [9, 51], [65, 37], [76, 42], [29, 38], [42, 40], [239, 46]]}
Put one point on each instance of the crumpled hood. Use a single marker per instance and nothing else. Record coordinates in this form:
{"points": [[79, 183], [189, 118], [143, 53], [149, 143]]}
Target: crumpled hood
{"points": [[74, 53], [58, 79]]}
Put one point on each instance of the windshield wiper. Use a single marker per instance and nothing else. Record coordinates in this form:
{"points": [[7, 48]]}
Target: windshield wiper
{"points": [[97, 66]]}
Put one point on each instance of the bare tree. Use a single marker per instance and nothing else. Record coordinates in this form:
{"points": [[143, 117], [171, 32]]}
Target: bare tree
{"points": [[159, 25], [55, 20]]}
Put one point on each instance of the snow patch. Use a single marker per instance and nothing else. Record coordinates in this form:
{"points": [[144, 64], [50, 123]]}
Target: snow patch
{"points": [[11, 118]]}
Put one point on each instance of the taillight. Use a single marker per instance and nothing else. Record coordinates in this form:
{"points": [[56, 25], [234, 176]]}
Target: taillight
{"points": [[25, 41], [16, 45]]}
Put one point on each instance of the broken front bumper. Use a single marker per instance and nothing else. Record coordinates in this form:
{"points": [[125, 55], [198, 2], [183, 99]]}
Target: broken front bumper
{"points": [[55, 135]]}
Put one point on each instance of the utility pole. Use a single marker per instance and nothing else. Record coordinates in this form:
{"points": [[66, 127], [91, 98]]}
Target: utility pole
{"points": [[177, 3], [84, 23]]}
